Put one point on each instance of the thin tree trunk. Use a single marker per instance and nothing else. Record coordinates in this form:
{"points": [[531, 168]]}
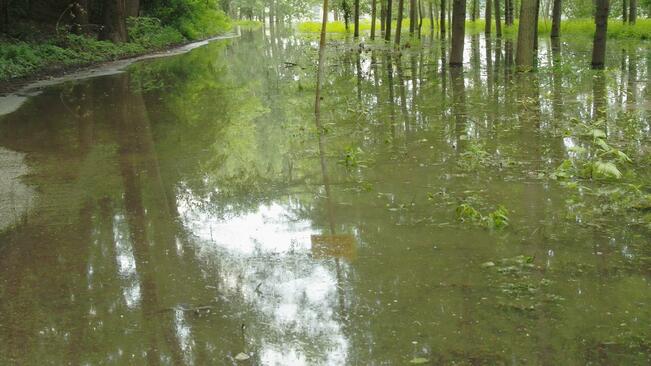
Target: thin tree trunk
{"points": [[383, 12], [498, 20], [509, 12], [625, 11], [373, 14], [431, 17], [475, 10], [487, 17], [556, 19], [535, 27], [526, 34], [356, 32], [599, 45], [387, 32], [420, 17], [458, 32], [320, 71], [401, 8], [412, 17], [632, 15], [442, 19]]}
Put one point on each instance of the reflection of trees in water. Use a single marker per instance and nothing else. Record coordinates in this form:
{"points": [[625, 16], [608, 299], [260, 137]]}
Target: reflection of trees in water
{"points": [[124, 165]]}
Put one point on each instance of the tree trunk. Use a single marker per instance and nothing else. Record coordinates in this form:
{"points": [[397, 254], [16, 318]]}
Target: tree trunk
{"points": [[487, 16], [401, 8], [442, 19], [498, 20], [412, 17], [4, 16], [356, 32], [383, 14], [599, 45], [420, 17], [387, 32], [373, 15], [624, 11], [526, 34], [535, 27], [115, 26], [632, 15], [431, 17], [475, 10], [556, 19], [458, 32], [132, 8]]}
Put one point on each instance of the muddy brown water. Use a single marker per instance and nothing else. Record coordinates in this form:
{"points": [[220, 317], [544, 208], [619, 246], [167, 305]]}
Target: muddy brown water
{"points": [[188, 211]]}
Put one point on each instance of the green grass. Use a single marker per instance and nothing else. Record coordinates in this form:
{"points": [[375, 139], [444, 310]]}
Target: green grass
{"points": [[584, 27], [19, 59]]}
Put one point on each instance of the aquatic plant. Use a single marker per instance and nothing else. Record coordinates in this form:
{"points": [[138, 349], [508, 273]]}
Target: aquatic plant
{"points": [[496, 219]]}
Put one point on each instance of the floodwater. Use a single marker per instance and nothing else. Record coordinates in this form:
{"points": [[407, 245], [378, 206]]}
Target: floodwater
{"points": [[189, 210]]}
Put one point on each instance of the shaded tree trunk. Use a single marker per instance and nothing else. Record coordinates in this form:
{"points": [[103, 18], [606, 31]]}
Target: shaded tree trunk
{"points": [[387, 32], [526, 36], [401, 8], [442, 19], [498, 20], [115, 26], [458, 32], [412, 17], [599, 44], [508, 10], [487, 16], [431, 17], [4, 16], [535, 26], [356, 32], [373, 15], [383, 13], [475, 10], [132, 8], [625, 11], [632, 15], [556, 19]]}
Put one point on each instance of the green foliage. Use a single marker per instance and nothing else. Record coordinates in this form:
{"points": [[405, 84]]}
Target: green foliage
{"points": [[497, 219], [352, 157], [595, 159], [148, 32], [194, 19], [20, 59], [145, 34]]}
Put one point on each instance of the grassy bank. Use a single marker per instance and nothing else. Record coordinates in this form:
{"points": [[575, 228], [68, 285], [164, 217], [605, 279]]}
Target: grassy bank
{"points": [[22, 59], [583, 27]]}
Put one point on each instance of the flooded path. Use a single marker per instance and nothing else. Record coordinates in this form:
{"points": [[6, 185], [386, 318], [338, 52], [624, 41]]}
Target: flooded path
{"points": [[189, 211]]}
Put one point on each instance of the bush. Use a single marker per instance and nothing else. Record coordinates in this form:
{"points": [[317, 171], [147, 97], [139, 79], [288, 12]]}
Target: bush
{"points": [[149, 33]]}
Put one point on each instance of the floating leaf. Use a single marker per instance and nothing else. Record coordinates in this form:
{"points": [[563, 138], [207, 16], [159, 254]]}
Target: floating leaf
{"points": [[242, 356], [606, 169]]}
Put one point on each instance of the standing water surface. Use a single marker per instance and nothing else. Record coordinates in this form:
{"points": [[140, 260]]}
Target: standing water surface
{"points": [[189, 211]]}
